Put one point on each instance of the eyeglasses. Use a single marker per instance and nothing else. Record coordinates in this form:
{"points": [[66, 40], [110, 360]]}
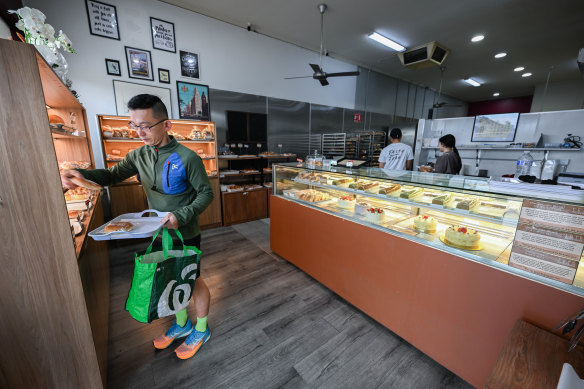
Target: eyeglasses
{"points": [[143, 127]]}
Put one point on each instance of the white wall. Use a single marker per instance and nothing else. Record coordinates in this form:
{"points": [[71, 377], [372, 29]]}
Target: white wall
{"points": [[231, 58], [4, 30], [559, 96]]}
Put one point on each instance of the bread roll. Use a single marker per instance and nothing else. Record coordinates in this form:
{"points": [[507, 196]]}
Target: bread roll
{"points": [[118, 226]]}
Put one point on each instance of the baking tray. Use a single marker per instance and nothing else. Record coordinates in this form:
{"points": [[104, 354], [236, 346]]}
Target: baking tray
{"points": [[145, 227]]}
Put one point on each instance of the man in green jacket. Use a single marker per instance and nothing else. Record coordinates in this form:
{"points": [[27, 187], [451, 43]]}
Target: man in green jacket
{"points": [[175, 181]]}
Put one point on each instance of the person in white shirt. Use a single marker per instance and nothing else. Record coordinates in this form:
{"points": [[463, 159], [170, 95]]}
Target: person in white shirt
{"points": [[396, 156]]}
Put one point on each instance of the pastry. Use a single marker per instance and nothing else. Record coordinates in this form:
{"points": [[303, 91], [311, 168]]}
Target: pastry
{"points": [[468, 203], [116, 133], [462, 237], [118, 227], [76, 194], [312, 195], [410, 193], [73, 214], [361, 208], [343, 182], [374, 215], [372, 187], [85, 183], [356, 184], [444, 199], [125, 132], [115, 152], [391, 190], [511, 212], [425, 223], [346, 202]]}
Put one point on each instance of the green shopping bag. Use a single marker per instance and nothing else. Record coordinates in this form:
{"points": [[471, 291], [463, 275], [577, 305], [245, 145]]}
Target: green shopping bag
{"points": [[164, 280]]}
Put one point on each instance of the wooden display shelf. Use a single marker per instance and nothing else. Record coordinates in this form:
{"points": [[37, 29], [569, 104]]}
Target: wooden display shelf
{"points": [[239, 174], [67, 135], [238, 158], [243, 206]]}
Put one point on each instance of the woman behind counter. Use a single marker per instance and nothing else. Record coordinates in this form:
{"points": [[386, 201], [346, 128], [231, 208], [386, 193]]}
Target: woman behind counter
{"points": [[449, 162]]}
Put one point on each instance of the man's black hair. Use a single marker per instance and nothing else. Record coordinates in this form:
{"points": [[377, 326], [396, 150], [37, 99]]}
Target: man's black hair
{"points": [[395, 133], [146, 101]]}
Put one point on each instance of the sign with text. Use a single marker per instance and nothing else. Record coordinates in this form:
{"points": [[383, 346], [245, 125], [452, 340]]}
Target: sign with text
{"points": [[103, 19], [357, 118], [162, 35], [549, 240]]}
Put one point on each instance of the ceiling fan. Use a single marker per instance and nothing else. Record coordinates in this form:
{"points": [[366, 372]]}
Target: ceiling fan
{"points": [[437, 102], [320, 74]]}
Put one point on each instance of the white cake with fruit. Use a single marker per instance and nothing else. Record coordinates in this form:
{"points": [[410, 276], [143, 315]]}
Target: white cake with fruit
{"points": [[425, 223], [463, 237], [374, 215]]}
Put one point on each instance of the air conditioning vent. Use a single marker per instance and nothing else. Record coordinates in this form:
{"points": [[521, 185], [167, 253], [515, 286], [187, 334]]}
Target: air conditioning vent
{"points": [[420, 57]]}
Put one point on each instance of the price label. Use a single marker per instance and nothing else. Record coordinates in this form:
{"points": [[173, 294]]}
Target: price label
{"points": [[240, 145], [349, 172], [333, 163], [349, 163], [246, 146], [259, 145], [280, 145], [233, 145], [226, 144]]}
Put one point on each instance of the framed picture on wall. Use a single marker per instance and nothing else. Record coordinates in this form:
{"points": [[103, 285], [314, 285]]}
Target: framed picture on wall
{"points": [[164, 76], [113, 67], [124, 91], [162, 35], [103, 19], [189, 65], [499, 127], [193, 101], [139, 63]]}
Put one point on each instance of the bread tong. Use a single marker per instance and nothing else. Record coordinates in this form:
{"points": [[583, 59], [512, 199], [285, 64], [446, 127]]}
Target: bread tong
{"points": [[568, 325]]}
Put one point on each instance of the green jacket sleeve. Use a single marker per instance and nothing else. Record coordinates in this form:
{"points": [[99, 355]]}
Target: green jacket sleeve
{"points": [[105, 177], [198, 178]]}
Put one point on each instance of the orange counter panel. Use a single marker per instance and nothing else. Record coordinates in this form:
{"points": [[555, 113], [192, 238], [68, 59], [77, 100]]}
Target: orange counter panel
{"points": [[457, 311]]}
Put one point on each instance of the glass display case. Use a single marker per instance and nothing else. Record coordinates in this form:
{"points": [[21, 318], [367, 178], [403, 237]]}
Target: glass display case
{"points": [[460, 215]]}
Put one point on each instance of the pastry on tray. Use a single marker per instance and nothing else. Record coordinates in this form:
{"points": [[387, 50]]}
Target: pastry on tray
{"points": [[468, 203], [425, 223], [361, 208], [463, 237], [410, 193], [118, 227], [390, 190], [85, 183], [444, 199]]}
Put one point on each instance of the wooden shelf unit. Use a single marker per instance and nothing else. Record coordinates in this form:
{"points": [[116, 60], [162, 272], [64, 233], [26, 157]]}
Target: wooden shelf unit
{"points": [[129, 197], [56, 298]]}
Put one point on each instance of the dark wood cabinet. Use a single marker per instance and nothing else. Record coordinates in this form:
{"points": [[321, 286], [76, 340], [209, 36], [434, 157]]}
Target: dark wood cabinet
{"points": [[211, 216], [127, 198], [239, 207]]}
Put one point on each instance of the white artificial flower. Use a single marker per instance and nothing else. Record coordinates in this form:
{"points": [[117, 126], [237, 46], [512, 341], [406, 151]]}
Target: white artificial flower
{"points": [[47, 32], [63, 40], [48, 54], [32, 14]]}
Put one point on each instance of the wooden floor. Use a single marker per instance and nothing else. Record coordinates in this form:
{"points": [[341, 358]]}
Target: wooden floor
{"points": [[272, 327]]}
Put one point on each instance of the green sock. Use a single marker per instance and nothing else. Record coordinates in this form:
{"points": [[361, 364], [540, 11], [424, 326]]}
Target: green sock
{"points": [[181, 317], [201, 324]]}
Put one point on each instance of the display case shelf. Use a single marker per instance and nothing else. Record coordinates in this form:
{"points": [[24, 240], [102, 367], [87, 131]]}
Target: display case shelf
{"points": [[65, 135]]}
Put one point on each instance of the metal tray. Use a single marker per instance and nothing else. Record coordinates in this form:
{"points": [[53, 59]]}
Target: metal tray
{"points": [[145, 227]]}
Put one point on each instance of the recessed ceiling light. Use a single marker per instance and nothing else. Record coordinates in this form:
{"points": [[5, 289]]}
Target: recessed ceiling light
{"points": [[526, 75], [477, 38], [386, 42], [500, 55], [472, 82], [496, 94], [518, 69]]}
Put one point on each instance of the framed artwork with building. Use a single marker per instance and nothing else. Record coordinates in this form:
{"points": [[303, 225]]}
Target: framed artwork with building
{"points": [[193, 101]]}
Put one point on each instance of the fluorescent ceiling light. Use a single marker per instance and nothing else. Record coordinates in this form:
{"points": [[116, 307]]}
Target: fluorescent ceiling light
{"points": [[500, 55], [477, 38], [526, 75], [518, 69], [386, 41], [496, 94], [472, 82]]}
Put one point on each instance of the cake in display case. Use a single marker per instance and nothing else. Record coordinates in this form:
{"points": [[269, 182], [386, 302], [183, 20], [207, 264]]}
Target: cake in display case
{"points": [[457, 214]]}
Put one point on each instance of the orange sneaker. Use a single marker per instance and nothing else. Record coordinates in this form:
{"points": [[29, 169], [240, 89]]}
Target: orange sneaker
{"points": [[173, 333], [193, 343]]}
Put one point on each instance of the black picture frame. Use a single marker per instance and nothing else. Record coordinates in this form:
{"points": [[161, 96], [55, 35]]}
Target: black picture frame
{"points": [[139, 63], [162, 33], [187, 108], [190, 65], [164, 76], [112, 66], [97, 27]]}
